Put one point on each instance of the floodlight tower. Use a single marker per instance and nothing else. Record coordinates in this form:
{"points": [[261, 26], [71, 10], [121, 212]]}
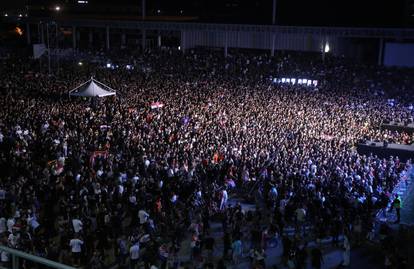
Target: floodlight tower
{"points": [[274, 12], [143, 12], [272, 52]]}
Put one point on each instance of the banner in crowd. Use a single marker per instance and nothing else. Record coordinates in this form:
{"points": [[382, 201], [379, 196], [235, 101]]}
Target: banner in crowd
{"points": [[156, 105]]}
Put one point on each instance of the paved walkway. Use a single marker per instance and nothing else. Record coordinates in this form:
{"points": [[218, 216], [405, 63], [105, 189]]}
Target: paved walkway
{"points": [[332, 255]]}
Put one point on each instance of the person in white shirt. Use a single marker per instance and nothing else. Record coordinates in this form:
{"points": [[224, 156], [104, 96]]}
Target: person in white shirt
{"points": [[10, 224], [13, 239], [76, 248], [224, 198], [5, 259], [134, 255], [143, 216], [77, 225]]}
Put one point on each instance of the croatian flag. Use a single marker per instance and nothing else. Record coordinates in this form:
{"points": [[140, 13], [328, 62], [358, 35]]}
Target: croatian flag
{"points": [[156, 105]]}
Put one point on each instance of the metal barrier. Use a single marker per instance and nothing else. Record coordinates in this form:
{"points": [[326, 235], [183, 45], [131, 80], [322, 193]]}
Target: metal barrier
{"points": [[16, 254]]}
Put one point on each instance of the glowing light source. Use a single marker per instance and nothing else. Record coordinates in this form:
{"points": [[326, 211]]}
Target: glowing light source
{"points": [[326, 48], [20, 15], [80, 63], [6, 15], [57, 8], [18, 31]]}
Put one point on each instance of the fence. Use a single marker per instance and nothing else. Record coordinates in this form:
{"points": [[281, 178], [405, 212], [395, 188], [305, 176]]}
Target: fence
{"points": [[16, 255]]}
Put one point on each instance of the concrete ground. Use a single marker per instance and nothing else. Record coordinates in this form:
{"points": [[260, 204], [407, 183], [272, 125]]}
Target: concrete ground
{"points": [[365, 258]]}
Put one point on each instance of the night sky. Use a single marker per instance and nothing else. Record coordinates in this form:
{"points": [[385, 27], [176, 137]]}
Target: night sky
{"points": [[360, 13]]}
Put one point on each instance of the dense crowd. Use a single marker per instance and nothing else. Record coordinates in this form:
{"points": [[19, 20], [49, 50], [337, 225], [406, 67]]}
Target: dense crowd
{"points": [[80, 178]]}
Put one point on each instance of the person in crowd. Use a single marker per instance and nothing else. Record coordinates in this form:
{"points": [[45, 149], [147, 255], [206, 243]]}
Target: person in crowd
{"points": [[134, 255], [76, 248]]}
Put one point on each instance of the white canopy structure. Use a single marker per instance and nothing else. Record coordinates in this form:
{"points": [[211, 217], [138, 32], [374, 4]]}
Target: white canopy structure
{"points": [[92, 88]]}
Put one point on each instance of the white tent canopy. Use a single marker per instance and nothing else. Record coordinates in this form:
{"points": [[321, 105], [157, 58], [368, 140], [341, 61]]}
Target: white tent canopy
{"points": [[92, 88]]}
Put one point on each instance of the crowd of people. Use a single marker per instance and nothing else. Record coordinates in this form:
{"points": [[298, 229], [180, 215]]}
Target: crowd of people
{"points": [[83, 177]]}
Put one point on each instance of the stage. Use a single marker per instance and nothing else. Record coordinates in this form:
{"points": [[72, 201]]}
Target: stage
{"points": [[398, 126], [404, 152]]}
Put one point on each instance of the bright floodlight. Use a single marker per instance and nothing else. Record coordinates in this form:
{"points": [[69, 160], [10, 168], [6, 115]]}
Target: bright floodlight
{"points": [[179, 47], [80, 63], [6, 15], [20, 15], [108, 65], [327, 48], [57, 8]]}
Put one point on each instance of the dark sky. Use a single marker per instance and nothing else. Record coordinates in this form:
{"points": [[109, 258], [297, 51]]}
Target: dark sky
{"points": [[361, 13]]}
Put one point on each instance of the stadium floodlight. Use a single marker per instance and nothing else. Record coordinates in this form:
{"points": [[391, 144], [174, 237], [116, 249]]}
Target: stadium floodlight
{"points": [[327, 48], [6, 15], [57, 8], [283, 80], [293, 80], [304, 81], [20, 15], [288, 80], [108, 65], [80, 63], [300, 81]]}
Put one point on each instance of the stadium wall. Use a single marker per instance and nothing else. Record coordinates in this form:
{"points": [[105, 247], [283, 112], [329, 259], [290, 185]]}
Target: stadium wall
{"points": [[255, 40]]}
